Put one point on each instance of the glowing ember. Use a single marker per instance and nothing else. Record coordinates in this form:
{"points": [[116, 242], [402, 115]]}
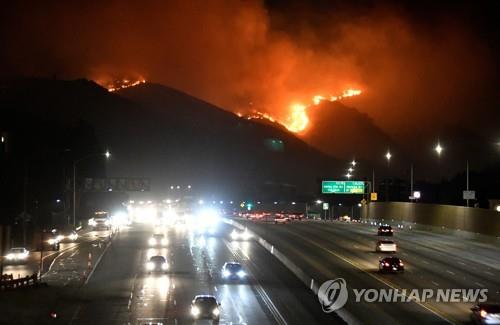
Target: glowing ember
{"points": [[120, 84], [298, 120]]}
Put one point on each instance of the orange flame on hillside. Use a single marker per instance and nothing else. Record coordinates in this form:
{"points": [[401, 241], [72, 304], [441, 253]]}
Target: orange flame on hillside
{"points": [[120, 83], [298, 120]]}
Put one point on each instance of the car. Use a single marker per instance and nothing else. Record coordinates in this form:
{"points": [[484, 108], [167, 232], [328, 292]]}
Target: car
{"points": [[68, 235], [385, 231], [391, 264], [240, 235], [233, 271], [205, 307], [157, 263], [17, 254], [345, 218], [158, 240], [486, 313], [386, 246]]}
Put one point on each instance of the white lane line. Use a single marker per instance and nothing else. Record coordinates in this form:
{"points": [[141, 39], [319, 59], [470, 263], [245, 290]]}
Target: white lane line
{"points": [[435, 283], [426, 262], [489, 273], [448, 271], [479, 284], [215, 288], [97, 263], [462, 263]]}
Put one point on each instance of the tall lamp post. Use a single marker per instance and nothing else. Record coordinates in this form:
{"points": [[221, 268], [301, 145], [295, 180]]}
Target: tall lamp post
{"points": [[388, 156], [107, 154]]}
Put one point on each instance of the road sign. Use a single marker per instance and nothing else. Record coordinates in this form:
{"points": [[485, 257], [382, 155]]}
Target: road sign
{"points": [[469, 195], [119, 184], [342, 187], [325, 206], [373, 196]]}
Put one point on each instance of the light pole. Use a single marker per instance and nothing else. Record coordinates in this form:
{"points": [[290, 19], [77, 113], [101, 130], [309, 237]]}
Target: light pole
{"points": [[107, 154], [388, 156]]}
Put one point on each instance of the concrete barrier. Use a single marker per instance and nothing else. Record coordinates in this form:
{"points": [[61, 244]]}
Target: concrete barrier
{"points": [[435, 216], [307, 280]]}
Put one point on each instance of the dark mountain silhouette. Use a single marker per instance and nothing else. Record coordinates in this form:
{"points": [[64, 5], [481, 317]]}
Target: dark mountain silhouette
{"points": [[157, 132]]}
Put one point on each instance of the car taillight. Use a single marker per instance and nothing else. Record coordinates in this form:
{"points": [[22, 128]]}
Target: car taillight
{"points": [[483, 313], [386, 264], [401, 263]]}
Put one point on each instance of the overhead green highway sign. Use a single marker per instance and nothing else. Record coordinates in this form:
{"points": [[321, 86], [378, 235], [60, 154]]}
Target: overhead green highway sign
{"points": [[342, 187]]}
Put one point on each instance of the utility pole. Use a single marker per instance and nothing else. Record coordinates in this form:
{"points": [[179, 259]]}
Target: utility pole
{"points": [[411, 180], [467, 181]]}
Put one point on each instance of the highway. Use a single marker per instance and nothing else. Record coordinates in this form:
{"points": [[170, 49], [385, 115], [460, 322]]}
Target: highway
{"points": [[330, 250], [120, 290]]}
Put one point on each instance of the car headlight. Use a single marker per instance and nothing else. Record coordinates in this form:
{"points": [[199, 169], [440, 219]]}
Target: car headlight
{"points": [[59, 237], [226, 273], [234, 235], [195, 311], [164, 241], [10, 256], [92, 222], [164, 266], [216, 311], [52, 241], [246, 235], [241, 273], [152, 241], [150, 265], [73, 236]]}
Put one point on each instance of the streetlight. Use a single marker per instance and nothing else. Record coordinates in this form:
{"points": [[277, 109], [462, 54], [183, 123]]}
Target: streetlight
{"points": [[348, 175], [388, 156], [438, 149], [350, 169], [319, 201], [107, 154], [353, 163]]}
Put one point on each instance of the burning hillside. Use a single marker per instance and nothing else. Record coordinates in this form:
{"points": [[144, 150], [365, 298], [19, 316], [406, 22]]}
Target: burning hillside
{"points": [[297, 120]]}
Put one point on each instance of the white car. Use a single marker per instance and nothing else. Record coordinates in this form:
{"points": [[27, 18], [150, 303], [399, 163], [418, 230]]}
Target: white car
{"points": [[17, 254], [240, 235], [158, 240], [386, 246], [157, 263]]}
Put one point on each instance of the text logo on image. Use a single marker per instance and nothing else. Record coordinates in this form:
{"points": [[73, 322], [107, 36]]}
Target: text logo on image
{"points": [[333, 295]]}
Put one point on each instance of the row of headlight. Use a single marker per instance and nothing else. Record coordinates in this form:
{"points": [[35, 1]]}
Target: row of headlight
{"points": [[151, 266], [240, 274], [153, 241], [195, 311], [18, 256]]}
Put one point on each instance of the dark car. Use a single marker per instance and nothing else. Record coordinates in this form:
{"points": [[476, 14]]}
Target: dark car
{"points": [[486, 313], [385, 231], [391, 264], [157, 263], [233, 271], [205, 307]]}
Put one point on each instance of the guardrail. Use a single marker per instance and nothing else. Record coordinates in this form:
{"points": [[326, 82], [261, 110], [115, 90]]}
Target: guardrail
{"points": [[307, 280], [7, 281]]}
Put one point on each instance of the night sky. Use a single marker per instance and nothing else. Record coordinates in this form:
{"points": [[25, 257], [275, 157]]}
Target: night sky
{"points": [[423, 66]]}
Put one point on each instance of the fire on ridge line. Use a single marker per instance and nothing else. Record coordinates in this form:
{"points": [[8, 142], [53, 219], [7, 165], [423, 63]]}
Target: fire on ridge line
{"points": [[298, 120]]}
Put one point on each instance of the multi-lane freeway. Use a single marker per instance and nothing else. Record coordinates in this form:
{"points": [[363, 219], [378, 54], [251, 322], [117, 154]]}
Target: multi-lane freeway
{"points": [[121, 290], [329, 250], [117, 289]]}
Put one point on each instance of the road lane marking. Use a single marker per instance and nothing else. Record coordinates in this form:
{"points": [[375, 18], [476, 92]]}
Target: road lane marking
{"points": [[448, 271], [489, 273], [426, 306], [479, 284], [435, 283]]}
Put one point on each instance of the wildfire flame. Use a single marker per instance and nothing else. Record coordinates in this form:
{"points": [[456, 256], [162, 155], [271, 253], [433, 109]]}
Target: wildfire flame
{"points": [[298, 120], [120, 84]]}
